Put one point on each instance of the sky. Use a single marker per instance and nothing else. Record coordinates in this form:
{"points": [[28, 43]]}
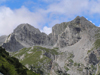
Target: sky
{"points": [[44, 14]]}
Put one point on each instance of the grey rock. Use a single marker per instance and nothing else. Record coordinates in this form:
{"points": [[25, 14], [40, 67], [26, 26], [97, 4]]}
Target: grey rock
{"points": [[12, 44], [2, 39], [93, 59], [1, 73], [69, 37], [25, 35]]}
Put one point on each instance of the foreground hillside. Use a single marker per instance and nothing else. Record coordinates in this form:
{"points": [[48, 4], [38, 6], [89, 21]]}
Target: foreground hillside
{"points": [[11, 66]]}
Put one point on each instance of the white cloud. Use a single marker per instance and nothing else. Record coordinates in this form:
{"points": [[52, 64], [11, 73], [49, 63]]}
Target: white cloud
{"points": [[49, 1], [68, 7], [46, 30], [29, 2], [56, 12], [94, 23], [99, 25], [3, 0], [71, 8], [90, 21], [87, 18], [9, 19], [94, 6]]}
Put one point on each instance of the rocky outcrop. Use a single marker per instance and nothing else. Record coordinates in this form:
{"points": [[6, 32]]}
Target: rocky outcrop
{"points": [[28, 35], [11, 44], [93, 59], [25, 35], [69, 37], [70, 32]]}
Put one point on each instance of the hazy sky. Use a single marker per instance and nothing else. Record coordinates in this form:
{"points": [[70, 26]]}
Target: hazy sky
{"points": [[44, 14]]}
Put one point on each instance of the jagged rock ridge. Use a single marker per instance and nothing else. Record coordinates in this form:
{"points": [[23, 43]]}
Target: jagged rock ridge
{"points": [[64, 34]]}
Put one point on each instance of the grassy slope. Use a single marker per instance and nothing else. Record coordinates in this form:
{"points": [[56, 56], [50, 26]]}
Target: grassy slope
{"points": [[35, 56], [11, 66]]}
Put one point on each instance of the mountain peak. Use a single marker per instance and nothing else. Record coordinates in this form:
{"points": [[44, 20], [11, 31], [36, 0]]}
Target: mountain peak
{"points": [[26, 27], [80, 18], [77, 17]]}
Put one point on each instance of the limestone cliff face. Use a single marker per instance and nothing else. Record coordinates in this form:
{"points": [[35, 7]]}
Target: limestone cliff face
{"points": [[27, 35], [11, 44], [69, 33], [57, 30]]}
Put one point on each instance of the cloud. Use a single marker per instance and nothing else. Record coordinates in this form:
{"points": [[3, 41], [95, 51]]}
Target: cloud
{"points": [[46, 30], [44, 18], [99, 25], [3, 0], [63, 10], [9, 19], [68, 7], [29, 3], [71, 8], [49, 1], [94, 6], [90, 21]]}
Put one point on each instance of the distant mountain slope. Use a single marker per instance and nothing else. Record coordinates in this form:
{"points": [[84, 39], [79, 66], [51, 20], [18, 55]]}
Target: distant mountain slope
{"points": [[2, 39], [11, 66]]}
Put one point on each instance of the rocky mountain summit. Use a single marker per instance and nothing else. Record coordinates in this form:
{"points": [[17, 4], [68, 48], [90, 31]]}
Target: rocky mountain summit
{"points": [[73, 48], [25, 35]]}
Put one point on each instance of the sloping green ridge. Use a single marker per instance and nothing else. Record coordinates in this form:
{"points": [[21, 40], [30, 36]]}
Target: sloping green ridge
{"points": [[97, 43], [35, 57], [11, 66]]}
